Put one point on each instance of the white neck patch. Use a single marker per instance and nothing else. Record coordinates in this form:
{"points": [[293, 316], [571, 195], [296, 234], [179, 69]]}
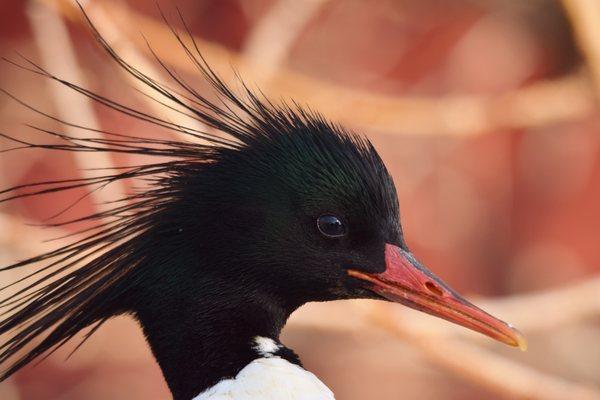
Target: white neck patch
{"points": [[265, 346], [269, 378]]}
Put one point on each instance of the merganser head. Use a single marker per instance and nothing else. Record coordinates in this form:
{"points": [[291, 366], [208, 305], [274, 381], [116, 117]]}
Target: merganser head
{"points": [[282, 209], [307, 211]]}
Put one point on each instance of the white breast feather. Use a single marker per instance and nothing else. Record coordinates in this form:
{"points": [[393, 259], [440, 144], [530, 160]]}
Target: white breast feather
{"points": [[272, 378]]}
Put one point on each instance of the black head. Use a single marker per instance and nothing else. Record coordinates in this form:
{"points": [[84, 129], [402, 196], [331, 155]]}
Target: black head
{"points": [[294, 209]]}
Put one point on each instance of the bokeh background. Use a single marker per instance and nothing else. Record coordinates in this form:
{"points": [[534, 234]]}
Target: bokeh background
{"points": [[486, 113]]}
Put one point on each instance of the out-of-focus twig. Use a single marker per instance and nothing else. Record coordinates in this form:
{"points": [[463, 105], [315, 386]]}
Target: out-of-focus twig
{"points": [[129, 52], [538, 105], [9, 391], [285, 21], [58, 56], [585, 20], [483, 367], [14, 229], [111, 33]]}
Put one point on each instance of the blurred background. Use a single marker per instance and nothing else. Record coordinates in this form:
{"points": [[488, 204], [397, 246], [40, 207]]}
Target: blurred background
{"points": [[485, 112]]}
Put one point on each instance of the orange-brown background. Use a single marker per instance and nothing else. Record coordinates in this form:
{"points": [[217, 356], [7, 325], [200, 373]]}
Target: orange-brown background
{"points": [[484, 112]]}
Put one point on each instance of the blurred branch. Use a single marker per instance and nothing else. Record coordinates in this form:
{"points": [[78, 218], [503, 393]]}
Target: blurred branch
{"points": [[585, 20], [285, 21], [57, 55], [485, 368], [538, 105], [14, 229], [110, 32]]}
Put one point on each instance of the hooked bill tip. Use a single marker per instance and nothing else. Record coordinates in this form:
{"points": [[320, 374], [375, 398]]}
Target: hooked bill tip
{"points": [[519, 339]]}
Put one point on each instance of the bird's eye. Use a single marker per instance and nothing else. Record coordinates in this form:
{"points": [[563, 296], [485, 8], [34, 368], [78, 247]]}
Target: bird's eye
{"points": [[331, 226]]}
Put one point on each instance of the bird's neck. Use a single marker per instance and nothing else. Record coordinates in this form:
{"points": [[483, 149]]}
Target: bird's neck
{"points": [[201, 339]]}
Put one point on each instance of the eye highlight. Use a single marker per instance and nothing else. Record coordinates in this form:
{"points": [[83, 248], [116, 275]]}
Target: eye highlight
{"points": [[331, 226]]}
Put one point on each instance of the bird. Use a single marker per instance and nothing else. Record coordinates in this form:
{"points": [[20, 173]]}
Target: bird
{"points": [[232, 231]]}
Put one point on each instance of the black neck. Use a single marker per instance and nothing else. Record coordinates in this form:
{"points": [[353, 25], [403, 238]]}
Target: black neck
{"points": [[202, 338]]}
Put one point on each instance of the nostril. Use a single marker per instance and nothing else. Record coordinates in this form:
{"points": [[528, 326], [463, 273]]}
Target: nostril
{"points": [[434, 289]]}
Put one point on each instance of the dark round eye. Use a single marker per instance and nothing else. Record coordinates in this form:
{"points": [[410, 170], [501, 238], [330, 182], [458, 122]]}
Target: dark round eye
{"points": [[331, 226]]}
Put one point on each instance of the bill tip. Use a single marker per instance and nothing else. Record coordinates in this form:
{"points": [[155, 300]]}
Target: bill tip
{"points": [[519, 338]]}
